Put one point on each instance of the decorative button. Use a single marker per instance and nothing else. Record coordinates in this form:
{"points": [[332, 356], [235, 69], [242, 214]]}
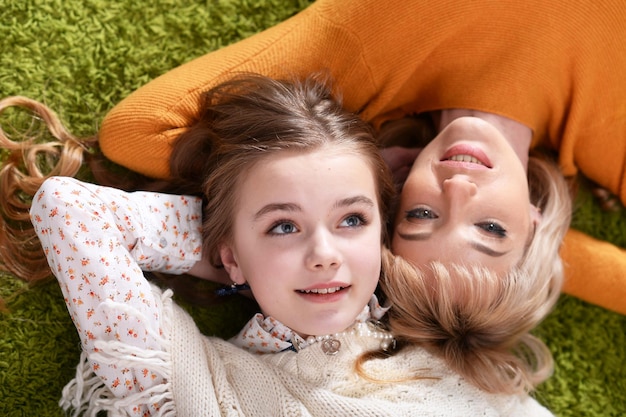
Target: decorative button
{"points": [[331, 346]]}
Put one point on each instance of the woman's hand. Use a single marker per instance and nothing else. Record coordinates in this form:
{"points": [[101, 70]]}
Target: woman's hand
{"points": [[400, 160]]}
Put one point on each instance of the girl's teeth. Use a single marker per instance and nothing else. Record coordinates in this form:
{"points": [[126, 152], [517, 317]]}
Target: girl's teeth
{"points": [[465, 158], [323, 290]]}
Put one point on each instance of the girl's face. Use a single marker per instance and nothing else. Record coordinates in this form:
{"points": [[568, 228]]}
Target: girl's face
{"points": [[466, 200], [307, 239]]}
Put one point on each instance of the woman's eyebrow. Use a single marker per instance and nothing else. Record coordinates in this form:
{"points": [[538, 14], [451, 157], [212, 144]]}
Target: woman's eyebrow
{"points": [[487, 250], [476, 245], [415, 236]]}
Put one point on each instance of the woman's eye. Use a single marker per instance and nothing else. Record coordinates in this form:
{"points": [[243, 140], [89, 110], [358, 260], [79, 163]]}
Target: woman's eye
{"points": [[353, 220], [421, 213], [283, 228], [493, 228]]}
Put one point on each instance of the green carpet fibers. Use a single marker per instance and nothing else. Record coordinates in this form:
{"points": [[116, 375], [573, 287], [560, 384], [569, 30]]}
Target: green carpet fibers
{"points": [[82, 57]]}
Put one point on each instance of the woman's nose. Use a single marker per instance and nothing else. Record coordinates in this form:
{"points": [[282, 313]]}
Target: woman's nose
{"points": [[323, 253], [459, 188]]}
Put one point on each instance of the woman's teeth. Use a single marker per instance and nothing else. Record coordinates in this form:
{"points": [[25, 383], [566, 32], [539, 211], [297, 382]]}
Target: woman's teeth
{"points": [[465, 158], [322, 290]]}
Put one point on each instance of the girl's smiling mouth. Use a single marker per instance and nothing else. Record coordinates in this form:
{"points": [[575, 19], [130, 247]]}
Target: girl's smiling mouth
{"points": [[329, 290], [326, 294]]}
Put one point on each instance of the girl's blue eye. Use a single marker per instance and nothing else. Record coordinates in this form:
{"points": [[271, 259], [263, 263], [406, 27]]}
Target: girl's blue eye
{"points": [[421, 213], [353, 220], [493, 228], [283, 228]]}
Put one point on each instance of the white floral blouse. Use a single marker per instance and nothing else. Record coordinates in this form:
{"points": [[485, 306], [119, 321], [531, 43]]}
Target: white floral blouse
{"points": [[97, 241]]}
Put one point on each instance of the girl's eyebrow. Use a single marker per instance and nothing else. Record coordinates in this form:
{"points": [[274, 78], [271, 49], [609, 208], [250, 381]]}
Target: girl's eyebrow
{"points": [[359, 199], [276, 207]]}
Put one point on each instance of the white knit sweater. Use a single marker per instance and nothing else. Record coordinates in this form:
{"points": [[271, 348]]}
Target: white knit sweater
{"points": [[212, 377]]}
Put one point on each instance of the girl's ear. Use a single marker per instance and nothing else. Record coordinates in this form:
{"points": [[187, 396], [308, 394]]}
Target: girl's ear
{"points": [[535, 215], [229, 260]]}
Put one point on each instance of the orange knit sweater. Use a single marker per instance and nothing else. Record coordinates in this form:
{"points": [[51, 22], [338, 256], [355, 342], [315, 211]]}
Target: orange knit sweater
{"points": [[557, 67]]}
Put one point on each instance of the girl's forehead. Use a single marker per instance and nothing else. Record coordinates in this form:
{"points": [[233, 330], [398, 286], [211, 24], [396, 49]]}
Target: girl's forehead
{"points": [[310, 169], [324, 151], [288, 165]]}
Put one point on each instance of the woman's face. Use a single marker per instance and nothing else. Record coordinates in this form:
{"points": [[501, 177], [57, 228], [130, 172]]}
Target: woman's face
{"points": [[466, 200], [307, 238]]}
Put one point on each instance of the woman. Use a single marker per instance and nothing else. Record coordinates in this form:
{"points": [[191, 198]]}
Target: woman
{"points": [[553, 68]]}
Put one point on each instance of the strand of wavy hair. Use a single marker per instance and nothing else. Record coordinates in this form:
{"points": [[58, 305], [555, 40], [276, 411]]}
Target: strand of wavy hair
{"points": [[28, 161], [477, 322]]}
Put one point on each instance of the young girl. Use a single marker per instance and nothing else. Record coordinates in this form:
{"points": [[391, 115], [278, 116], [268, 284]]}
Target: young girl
{"points": [[296, 197], [559, 78]]}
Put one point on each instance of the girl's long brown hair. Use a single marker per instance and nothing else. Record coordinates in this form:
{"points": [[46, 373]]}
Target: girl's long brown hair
{"points": [[251, 117], [26, 164], [239, 117], [246, 119]]}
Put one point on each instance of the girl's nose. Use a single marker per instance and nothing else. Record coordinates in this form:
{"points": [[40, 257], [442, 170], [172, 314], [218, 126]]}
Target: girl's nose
{"points": [[323, 253]]}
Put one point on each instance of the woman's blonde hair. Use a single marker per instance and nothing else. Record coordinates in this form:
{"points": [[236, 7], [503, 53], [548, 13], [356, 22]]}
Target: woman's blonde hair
{"points": [[480, 322]]}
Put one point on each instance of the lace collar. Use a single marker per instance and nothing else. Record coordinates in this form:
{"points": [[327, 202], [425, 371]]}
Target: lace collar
{"points": [[267, 335]]}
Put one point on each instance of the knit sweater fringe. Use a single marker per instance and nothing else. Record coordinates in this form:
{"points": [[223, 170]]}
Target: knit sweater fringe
{"points": [[87, 394]]}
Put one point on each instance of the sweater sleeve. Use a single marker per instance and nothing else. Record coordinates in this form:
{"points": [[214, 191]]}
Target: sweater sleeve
{"points": [[595, 271], [318, 39], [97, 241]]}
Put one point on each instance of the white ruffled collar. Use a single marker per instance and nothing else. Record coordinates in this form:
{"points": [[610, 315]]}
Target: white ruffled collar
{"points": [[267, 335]]}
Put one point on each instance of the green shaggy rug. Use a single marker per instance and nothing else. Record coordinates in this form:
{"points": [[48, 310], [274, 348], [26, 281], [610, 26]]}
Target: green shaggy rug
{"points": [[82, 57]]}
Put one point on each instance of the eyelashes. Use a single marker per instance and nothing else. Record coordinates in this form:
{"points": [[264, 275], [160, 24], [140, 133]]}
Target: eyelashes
{"points": [[492, 228], [421, 213], [284, 227], [355, 220]]}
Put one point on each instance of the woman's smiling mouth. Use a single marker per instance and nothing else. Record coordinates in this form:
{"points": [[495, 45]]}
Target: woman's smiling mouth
{"points": [[465, 158], [467, 154]]}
